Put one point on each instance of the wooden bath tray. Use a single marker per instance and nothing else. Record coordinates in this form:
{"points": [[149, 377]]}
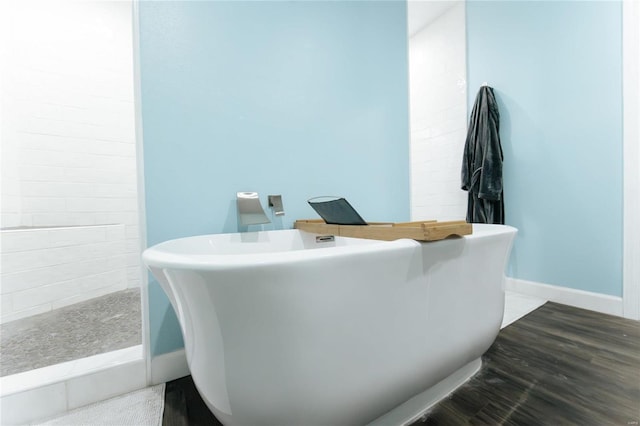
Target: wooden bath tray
{"points": [[430, 230]]}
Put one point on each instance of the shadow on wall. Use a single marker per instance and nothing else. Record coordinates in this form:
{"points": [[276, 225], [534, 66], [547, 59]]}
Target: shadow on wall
{"points": [[231, 222], [165, 317], [507, 148]]}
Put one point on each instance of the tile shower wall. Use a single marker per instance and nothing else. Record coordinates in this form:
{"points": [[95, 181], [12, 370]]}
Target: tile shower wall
{"points": [[437, 70], [68, 140], [47, 268]]}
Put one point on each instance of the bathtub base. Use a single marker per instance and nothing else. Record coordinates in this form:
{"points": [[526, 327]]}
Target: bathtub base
{"points": [[417, 406]]}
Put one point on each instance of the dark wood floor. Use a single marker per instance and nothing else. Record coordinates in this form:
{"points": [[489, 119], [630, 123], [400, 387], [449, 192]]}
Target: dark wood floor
{"points": [[557, 366], [183, 405]]}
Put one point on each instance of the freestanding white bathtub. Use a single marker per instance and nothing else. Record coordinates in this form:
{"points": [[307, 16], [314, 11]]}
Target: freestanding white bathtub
{"points": [[283, 328]]}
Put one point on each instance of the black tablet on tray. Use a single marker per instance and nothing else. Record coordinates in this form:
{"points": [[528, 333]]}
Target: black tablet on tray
{"points": [[336, 211]]}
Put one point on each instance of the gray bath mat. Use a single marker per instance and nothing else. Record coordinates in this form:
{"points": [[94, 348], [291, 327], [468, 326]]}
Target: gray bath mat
{"points": [[140, 408]]}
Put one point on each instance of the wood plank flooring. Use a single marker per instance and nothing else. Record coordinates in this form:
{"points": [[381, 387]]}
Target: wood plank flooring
{"points": [[183, 405], [558, 365]]}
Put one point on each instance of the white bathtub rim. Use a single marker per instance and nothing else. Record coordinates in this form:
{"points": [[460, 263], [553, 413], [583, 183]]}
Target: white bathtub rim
{"points": [[162, 256], [155, 257]]}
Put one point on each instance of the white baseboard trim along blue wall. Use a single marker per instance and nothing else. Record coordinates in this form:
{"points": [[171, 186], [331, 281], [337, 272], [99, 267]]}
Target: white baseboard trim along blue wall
{"points": [[602, 303], [168, 367]]}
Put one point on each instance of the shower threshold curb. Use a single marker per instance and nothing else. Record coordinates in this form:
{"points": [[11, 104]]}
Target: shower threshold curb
{"points": [[53, 390], [50, 374]]}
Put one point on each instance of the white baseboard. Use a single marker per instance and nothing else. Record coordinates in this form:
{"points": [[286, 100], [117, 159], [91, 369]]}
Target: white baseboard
{"points": [[603, 303], [168, 367]]}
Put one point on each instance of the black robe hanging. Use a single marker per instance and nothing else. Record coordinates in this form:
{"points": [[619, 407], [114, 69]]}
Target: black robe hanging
{"points": [[482, 161]]}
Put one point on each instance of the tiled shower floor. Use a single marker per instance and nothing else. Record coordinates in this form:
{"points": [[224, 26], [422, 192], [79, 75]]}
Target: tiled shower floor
{"points": [[99, 325]]}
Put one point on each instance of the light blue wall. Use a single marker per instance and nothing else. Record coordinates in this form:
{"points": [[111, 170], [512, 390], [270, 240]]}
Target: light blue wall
{"points": [[293, 98], [556, 68]]}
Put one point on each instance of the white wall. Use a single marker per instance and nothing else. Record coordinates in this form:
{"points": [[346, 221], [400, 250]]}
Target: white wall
{"points": [[631, 107], [437, 70], [48, 268], [67, 122]]}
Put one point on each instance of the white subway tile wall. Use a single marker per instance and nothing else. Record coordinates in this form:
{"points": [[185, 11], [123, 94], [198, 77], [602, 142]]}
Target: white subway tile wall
{"points": [[68, 153], [437, 69], [47, 268]]}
